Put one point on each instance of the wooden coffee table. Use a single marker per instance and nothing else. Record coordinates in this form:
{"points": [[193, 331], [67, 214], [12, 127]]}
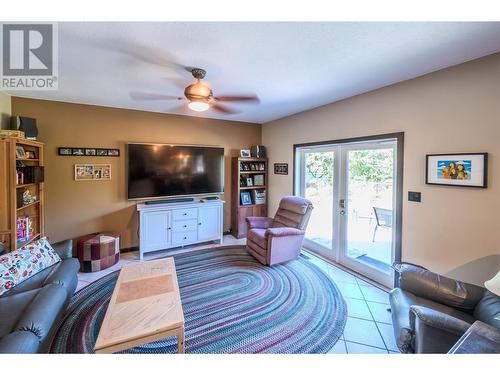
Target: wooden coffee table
{"points": [[145, 307]]}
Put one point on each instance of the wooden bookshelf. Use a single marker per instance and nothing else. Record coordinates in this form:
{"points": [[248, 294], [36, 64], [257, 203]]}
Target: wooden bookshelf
{"points": [[240, 212], [10, 192]]}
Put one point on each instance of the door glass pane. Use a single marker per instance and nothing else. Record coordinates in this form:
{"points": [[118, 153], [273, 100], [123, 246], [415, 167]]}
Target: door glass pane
{"points": [[318, 188], [370, 179]]}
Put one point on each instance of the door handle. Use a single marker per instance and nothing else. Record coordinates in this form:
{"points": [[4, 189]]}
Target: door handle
{"points": [[343, 213]]}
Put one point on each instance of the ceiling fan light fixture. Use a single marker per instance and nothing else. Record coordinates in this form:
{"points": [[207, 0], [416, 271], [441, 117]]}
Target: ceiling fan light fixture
{"points": [[198, 106]]}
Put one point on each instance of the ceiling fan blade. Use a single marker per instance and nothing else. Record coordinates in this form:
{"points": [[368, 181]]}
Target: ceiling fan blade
{"points": [[135, 95], [135, 51], [220, 108], [238, 98]]}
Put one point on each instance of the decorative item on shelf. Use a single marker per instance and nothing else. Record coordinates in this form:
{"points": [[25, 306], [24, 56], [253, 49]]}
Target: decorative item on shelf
{"points": [[5, 133], [28, 198], [24, 228], [85, 151], [30, 154], [20, 153], [465, 170], [257, 166], [20, 177], [259, 196], [25, 124], [246, 198], [281, 168], [258, 151], [258, 180], [245, 153], [249, 181], [243, 181], [92, 172]]}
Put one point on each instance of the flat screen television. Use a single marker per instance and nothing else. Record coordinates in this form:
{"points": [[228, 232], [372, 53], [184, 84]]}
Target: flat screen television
{"points": [[161, 170]]}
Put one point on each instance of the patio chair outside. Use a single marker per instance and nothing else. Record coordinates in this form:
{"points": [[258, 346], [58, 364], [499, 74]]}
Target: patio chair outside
{"points": [[384, 219]]}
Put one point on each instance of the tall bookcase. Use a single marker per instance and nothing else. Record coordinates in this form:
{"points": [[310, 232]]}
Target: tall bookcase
{"points": [[240, 174], [13, 205]]}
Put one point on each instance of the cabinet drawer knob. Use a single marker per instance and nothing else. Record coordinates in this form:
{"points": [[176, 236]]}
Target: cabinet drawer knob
{"points": [[199, 223], [185, 237], [185, 213]]}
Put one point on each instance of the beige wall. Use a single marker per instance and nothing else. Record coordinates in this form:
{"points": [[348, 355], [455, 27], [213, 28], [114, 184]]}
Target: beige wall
{"points": [[454, 230], [77, 208], [5, 110]]}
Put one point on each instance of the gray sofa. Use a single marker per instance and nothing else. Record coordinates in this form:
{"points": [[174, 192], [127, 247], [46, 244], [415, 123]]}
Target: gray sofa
{"points": [[30, 312], [431, 312]]}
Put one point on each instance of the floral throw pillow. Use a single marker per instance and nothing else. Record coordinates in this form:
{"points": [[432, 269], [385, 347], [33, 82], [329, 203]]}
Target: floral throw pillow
{"points": [[19, 265]]}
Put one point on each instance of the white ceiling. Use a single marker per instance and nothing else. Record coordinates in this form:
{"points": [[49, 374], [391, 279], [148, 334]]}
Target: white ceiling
{"points": [[292, 67]]}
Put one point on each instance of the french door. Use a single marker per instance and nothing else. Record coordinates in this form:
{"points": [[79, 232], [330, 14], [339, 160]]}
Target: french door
{"points": [[353, 190]]}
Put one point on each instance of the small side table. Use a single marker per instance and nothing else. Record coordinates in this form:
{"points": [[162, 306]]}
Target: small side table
{"points": [[480, 338]]}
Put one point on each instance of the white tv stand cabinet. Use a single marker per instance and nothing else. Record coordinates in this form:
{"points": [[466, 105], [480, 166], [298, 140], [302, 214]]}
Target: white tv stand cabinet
{"points": [[168, 225]]}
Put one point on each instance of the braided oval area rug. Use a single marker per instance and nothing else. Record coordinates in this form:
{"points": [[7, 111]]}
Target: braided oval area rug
{"points": [[232, 304]]}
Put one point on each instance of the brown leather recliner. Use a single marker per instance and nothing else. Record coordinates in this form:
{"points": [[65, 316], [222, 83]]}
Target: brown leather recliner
{"points": [[431, 312]]}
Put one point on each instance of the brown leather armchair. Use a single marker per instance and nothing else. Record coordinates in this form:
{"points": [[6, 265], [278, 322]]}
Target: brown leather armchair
{"points": [[431, 312]]}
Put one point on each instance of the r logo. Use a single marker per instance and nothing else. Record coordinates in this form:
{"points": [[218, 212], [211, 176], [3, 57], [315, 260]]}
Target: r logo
{"points": [[27, 50]]}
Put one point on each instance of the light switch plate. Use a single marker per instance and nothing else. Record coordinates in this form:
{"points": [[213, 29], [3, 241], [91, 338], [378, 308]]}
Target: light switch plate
{"points": [[414, 196]]}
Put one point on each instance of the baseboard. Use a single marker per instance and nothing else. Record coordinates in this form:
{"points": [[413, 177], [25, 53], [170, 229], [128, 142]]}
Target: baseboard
{"points": [[129, 249]]}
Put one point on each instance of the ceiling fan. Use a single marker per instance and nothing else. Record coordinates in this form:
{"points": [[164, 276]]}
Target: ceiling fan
{"points": [[200, 96]]}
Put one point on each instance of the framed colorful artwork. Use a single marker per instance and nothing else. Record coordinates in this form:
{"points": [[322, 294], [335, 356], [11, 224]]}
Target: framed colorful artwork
{"points": [[465, 170]]}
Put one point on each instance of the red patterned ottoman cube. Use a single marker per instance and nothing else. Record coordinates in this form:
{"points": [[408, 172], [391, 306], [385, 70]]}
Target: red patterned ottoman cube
{"points": [[98, 251]]}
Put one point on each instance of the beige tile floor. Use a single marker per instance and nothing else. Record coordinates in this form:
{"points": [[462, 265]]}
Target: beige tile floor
{"points": [[368, 328]]}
